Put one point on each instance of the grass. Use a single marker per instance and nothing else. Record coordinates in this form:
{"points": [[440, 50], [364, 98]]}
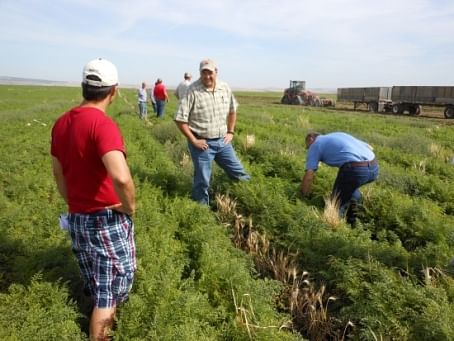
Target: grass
{"points": [[258, 257]]}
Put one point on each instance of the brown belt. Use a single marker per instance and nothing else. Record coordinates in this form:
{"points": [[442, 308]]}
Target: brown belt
{"points": [[359, 164]]}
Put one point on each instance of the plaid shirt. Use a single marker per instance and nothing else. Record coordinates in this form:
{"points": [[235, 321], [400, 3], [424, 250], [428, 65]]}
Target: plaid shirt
{"points": [[206, 111]]}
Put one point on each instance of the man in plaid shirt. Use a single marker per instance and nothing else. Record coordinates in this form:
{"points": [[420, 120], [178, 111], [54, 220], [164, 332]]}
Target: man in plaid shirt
{"points": [[207, 117]]}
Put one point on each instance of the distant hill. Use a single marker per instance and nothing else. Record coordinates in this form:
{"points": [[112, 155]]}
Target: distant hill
{"points": [[31, 81]]}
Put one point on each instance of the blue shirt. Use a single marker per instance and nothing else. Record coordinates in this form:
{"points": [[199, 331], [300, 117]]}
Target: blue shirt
{"points": [[336, 149]]}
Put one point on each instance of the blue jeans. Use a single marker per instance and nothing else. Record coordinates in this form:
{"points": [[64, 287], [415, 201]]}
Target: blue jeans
{"points": [[143, 110], [349, 180], [160, 106], [225, 157]]}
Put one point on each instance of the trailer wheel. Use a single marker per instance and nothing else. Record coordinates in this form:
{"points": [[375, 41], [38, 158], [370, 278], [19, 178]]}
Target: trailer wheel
{"points": [[397, 109], [418, 110], [372, 106], [414, 110], [449, 112]]}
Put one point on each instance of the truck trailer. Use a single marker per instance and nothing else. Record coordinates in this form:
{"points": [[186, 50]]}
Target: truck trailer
{"points": [[400, 99], [377, 99]]}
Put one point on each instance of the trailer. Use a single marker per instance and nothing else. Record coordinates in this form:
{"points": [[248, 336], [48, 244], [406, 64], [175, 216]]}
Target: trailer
{"points": [[411, 98], [400, 99], [377, 99]]}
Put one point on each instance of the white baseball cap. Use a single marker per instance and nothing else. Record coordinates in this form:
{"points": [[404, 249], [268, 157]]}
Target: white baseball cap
{"points": [[104, 71], [207, 64]]}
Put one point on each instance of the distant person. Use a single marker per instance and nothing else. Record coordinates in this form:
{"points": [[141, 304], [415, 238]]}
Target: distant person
{"points": [[207, 116], [160, 96], [355, 160], [92, 176], [181, 89], [150, 90], [142, 99]]}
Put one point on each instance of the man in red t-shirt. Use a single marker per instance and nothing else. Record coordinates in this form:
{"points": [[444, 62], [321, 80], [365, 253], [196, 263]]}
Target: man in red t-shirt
{"points": [[160, 96], [92, 176]]}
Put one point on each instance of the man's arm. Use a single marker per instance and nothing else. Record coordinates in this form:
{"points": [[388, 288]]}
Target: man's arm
{"points": [[231, 122], [184, 128], [306, 182], [118, 170], [59, 178]]}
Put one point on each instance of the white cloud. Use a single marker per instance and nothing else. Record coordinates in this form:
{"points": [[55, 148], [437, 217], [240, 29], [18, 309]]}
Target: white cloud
{"points": [[320, 40]]}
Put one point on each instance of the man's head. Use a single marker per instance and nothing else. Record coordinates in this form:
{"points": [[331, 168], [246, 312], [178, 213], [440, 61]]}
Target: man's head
{"points": [[99, 79], [144, 85], [187, 76], [208, 73], [310, 138]]}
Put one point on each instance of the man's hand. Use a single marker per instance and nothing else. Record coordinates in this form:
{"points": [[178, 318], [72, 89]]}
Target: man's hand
{"points": [[228, 138], [122, 209], [200, 144], [306, 182]]}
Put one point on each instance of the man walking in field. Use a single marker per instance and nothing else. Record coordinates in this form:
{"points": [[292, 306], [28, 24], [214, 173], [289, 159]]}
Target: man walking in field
{"points": [[142, 99], [355, 160], [92, 176], [181, 89], [207, 117]]}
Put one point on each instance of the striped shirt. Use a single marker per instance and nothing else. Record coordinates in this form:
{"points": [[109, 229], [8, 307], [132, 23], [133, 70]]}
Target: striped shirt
{"points": [[206, 111]]}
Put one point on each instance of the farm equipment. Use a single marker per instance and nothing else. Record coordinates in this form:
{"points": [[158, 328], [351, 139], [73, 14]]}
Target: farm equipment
{"points": [[298, 95], [400, 99]]}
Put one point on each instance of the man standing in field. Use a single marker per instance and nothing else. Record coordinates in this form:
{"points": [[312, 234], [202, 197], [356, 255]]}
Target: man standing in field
{"points": [[142, 99], [207, 117], [181, 89], [92, 176], [356, 162], [160, 96]]}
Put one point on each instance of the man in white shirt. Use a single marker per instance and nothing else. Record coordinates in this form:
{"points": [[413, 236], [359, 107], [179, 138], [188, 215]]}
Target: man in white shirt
{"points": [[181, 89]]}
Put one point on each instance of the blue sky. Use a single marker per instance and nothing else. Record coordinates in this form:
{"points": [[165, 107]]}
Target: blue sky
{"points": [[256, 43]]}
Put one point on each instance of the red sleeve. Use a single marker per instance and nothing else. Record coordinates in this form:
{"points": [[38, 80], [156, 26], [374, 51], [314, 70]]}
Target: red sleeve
{"points": [[108, 138]]}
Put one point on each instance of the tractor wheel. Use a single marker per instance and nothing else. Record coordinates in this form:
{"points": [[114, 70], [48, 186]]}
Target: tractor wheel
{"points": [[397, 109], [449, 112], [317, 102], [284, 100], [298, 100]]}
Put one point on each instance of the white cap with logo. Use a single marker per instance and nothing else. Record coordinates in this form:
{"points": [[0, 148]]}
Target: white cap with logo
{"points": [[100, 72]]}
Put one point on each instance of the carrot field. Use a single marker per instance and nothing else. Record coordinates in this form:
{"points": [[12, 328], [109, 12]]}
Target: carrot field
{"points": [[260, 263]]}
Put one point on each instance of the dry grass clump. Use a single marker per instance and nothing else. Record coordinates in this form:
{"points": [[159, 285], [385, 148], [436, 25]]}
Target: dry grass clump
{"points": [[302, 121], [245, 315], [420, 166], [330, 215], [250, 141], [307, 304], [185, 160], [440, 152], [432, 275]]}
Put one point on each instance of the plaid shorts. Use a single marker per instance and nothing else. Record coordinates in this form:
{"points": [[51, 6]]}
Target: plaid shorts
{"points": [[103, 243]]}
